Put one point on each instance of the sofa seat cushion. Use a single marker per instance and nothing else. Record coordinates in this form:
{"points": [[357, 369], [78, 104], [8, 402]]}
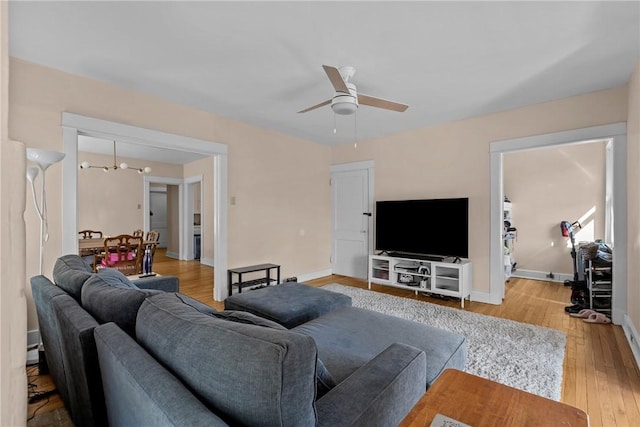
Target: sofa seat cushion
{"points": [[289, 304], [349, 337], [247, 374], [70, 272]]}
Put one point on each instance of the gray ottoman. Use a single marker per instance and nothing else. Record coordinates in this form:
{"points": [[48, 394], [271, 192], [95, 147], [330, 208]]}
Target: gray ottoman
{"points": [[289, 304]]}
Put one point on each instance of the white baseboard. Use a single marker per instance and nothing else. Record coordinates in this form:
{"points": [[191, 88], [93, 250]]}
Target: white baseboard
{"points": [[541, 275], [632, 337], [485, 297], [174, 255], [314, 275], [207, 261]]}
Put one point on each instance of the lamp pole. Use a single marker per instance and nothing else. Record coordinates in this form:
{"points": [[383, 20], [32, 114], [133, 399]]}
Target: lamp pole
{"points": [[44, 159]]}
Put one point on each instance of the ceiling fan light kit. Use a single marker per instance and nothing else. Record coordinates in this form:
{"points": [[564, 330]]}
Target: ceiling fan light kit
{"points": [[345, 101], [87, 165]]}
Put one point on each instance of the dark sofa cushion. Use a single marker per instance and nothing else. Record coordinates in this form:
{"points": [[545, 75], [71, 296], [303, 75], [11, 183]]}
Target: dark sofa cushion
{"points": [[324, 379], [107, 303], [115, 278], [139, 391], [70, 272], [289, 304], [247, 374]]}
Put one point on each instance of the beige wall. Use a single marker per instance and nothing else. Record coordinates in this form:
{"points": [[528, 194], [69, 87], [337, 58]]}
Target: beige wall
{"points": [[280, 182], [633, 198], [204, 167], [547, 186], [113, 202], [13, 312], [452, 159]]}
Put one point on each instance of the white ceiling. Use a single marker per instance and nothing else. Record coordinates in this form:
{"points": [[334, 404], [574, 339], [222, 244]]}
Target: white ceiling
{"points": [[260, 62]]}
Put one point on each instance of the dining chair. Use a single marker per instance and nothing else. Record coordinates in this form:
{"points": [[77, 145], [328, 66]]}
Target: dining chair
{"points": [[90, 234], [138, 233], [122, 253], [89, 254]]}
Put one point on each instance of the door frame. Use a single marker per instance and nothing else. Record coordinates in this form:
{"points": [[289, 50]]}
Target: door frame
{"points": [[617, 134], [367, 165], [146, 206], [74, 125], [187, 224]]}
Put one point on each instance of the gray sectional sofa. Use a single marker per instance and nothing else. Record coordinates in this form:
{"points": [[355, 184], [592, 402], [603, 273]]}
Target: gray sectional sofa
{"points": [[125, 356], [68, 312], [244, 369]]}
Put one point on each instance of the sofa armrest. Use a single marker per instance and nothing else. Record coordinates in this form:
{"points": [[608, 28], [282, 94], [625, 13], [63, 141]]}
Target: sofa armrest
{"points": [[380, 393], [160, 283], [140, 391]]}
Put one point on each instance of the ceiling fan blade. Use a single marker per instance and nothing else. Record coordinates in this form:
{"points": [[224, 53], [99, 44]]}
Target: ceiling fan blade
{"points": [[322, 104], [381, 103], [336, 79]]}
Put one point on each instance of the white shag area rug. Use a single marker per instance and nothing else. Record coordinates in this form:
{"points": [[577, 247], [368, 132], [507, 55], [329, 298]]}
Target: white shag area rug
{"points": [[519, 355]]}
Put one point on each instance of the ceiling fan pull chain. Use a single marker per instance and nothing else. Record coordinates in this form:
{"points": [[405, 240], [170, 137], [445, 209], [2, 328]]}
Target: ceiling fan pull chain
{"points": [[334, 123], [355, 130]]}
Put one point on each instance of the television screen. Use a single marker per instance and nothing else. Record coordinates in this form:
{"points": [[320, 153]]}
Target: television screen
{"points": [[436, 227]]}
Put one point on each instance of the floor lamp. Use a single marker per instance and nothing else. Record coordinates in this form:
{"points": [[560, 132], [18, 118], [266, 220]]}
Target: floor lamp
{"points": [[44, 159]]}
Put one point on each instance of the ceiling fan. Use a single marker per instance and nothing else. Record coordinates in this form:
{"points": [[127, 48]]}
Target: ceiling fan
{"points": [[346, 99]]}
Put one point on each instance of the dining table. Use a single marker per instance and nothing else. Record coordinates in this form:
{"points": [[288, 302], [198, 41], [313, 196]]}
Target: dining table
{"points": [[97, 243]]}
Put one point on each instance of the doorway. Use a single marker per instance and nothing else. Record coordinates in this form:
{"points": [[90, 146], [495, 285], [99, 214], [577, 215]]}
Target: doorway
{"points": [[74, 125], [158, 213], [616, 133], [352, 197]]}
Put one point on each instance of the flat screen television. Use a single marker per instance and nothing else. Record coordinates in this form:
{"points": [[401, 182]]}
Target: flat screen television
{"points": [[429, 228]]}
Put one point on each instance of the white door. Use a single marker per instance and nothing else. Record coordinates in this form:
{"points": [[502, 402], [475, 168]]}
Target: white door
{"points": [[351, 220], [158, 212]]}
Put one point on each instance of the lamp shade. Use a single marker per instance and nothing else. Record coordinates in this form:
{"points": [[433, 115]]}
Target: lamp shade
{"points": [[44, 158], [32, 172]]}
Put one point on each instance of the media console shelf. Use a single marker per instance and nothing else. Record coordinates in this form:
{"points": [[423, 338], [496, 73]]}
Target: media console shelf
{"points": [[435, 277]]}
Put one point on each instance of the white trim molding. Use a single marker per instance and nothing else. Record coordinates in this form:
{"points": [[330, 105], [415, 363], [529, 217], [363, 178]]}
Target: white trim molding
{"points": [[541, 275], [74, 125], [632, 337], [314, 275], [616, 133]]}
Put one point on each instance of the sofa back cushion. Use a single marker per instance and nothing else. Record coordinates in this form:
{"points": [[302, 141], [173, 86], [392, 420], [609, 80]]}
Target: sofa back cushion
{"points": [[116, 279], [248, 374], [70, 272], [109, 303], [139, 391]]}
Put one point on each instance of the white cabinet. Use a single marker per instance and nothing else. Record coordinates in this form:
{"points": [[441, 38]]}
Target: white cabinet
{"points": [[437, 277]]}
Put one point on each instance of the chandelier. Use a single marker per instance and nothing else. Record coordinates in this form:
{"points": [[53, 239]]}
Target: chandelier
{"points": [[86, 165]]}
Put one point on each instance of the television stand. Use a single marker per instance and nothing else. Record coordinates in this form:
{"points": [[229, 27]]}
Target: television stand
{"points": [[414, 273], [425, 257]]}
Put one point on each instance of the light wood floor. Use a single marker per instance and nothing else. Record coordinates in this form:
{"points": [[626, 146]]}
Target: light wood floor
{"points": [[600, 374]]}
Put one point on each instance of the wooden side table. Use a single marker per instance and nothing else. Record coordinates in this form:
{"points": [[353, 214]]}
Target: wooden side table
{"points": [[479, 402], [251, 269]]}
